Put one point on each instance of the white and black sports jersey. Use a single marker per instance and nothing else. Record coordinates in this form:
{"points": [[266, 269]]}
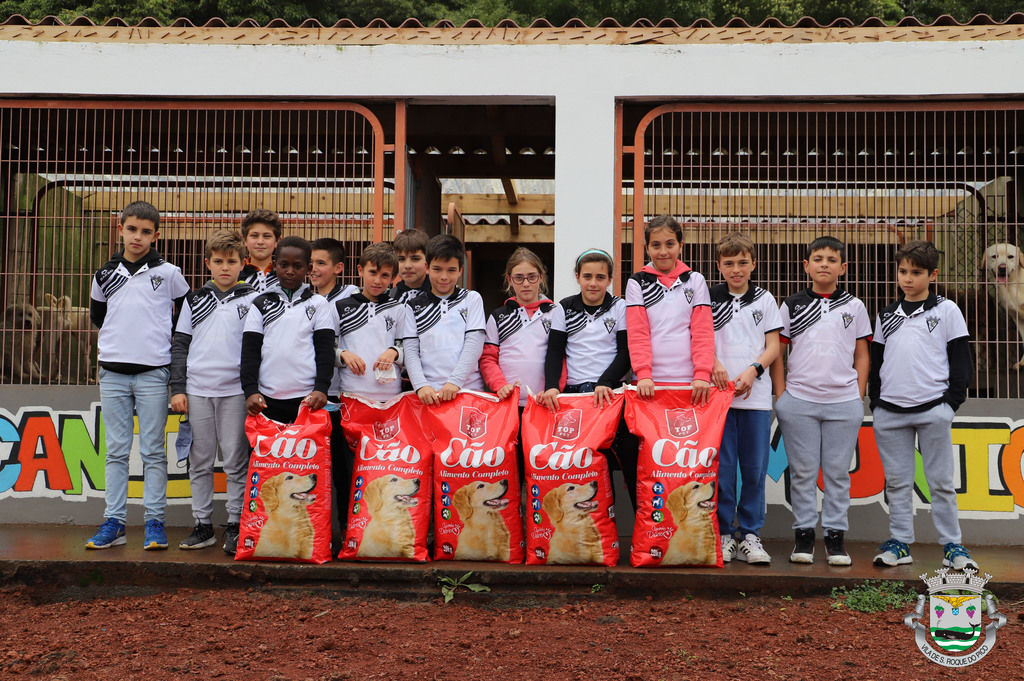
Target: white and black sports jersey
{"points": [[591, 337], [139, 310], [916, 369], [669, 310], [823, 334], [440, 326], [404, 294], [215, 324], [741, 323], [522, 342], [288, 361], [339, 292], [260, 280], [367, 329]]}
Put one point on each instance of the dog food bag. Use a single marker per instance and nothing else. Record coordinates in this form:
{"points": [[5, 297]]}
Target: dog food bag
{"points": [[477, 514], [287, 511], [677, 475], [570, 517], [389, 501]]}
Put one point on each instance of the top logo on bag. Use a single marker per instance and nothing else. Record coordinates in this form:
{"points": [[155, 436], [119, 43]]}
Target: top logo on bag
{"points": [[567, 425], [386, 430], [682, 422], [473, 423]]}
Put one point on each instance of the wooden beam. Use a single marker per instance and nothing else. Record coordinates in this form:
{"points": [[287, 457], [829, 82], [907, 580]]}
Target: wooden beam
{"points": [[776, 205], [242, 201], [528, 234]]}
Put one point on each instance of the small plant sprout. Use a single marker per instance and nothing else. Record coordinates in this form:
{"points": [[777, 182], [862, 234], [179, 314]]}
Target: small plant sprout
{"points": [[449, 585]]}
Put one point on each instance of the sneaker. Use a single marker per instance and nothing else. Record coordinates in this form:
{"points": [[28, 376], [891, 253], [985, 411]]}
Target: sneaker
{"points": [[111, 533], [892, 553], [231, 538], [201, 537], [835, 549], [803, 550], [156, 536], [751, 551], [957, 557], [728, 548]]}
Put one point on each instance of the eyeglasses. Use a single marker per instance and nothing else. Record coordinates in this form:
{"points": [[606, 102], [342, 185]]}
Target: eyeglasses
{"points": [[533, 278]]}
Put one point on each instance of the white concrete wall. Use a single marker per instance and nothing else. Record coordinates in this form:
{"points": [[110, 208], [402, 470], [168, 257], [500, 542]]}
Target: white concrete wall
{"points": [[582, 81]]}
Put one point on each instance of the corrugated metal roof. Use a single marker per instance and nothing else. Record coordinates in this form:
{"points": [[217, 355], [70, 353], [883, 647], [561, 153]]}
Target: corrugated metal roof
{"points": [[540, 32]]}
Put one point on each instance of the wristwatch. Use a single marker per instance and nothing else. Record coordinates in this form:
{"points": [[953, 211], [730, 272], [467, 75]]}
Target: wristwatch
{"points": [[758, 368]]}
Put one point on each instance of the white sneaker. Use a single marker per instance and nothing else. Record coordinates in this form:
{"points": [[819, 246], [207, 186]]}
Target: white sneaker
{"points": [[751, 551], [728, 548]]}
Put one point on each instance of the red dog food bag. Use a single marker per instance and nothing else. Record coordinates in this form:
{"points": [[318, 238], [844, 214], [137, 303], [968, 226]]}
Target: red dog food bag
{"points": [[571, 514], [477, 514], [389, 503], [677, 476], [287, 511]]}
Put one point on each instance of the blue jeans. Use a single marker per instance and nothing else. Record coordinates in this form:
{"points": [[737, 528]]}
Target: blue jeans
{"points": [[745, 443], [146, 395]]}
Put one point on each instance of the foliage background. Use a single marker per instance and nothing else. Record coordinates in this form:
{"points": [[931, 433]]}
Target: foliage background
{"points": [[522, 12]]}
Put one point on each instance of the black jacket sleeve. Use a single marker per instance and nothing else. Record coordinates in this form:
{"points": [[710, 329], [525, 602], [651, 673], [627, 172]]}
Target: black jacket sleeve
{"points": [[961, 366], [252, 355], [97, 312], [554, 359], [323, 352], [874, 374], [612, 376], [180, 343]]}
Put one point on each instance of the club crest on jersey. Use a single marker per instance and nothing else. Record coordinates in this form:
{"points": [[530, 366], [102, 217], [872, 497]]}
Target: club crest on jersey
{"points": [[932, 322], [758, 316], [386, 430], [567, 425], [465, 314], [609, 324], [847, 320], [473, 423], [389, 323], [546, 323], [681, 422], [688, 292], [310, 311], [155, 280], [242, 310]]}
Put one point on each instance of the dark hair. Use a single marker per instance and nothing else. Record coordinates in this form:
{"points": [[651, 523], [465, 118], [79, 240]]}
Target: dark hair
{"points": [[446, 247], [294, 242], [829, 242], [921, 254], [226, 240], [519, 256], [263, 217], [595, 255], [733, 244], [142, 210], [380, 254], [410, 241], [335, 249], [663, 222]]}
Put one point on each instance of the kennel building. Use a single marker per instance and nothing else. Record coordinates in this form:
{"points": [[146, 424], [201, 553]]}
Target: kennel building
{"points": [[558, 138]]}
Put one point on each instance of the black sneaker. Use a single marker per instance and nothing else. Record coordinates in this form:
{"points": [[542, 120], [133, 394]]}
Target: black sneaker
{"points": [[201, 537], [231, 538], [803, 550], [835, 549]]}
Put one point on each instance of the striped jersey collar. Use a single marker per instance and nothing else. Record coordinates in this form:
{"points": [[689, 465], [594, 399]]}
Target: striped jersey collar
{"points": [[720, 293], [576, 302]]}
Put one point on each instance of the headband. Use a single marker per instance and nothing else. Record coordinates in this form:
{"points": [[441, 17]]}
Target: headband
{"points": [[593, 250]]}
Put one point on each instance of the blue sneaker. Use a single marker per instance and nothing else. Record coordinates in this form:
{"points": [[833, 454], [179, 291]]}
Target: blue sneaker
{"points": [[957, 557], [156, 537], [111, 533], [892, 553]]}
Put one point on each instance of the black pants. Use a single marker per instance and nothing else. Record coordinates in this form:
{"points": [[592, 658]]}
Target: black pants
{"points": [[625, 450], [282, 411]]}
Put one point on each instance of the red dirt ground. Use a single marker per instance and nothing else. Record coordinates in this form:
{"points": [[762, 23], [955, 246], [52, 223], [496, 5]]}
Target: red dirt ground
{"points": [[298, 635]]}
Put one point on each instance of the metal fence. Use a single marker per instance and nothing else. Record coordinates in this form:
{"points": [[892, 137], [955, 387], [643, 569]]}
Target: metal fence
{"points": [[873, 175], [68, 168]]}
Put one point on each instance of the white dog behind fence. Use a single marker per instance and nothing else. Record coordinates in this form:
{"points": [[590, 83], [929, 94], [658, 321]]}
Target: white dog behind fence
{"points": [[1003, 263]]}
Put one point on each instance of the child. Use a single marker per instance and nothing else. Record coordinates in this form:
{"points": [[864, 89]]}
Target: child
{"points": [[261, 230], [588, 338], [288, 342], [820, 397], [668, 317], [920, 365], [747, 324], [445, 334], [205, 385], [327, 264], [517, 332], [133, 301], [411, 248]]}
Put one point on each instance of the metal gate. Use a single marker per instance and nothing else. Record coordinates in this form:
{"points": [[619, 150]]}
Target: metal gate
{"points": [[67, 168], [873, 175]]}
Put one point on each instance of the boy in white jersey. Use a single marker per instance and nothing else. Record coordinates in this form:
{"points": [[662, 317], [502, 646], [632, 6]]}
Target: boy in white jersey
{"points": [[411, 249], [445, 334], [133, 300], [820, 403], [261, 230], [747, 324], [920, 366], [205, 385], [288, 341]]}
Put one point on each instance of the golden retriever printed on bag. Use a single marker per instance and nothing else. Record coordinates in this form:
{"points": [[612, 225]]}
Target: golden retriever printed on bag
{"points": [[571, 514], [477, 512]]}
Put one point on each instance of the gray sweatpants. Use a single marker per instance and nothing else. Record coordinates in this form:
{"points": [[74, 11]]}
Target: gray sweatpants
{"points": [[819, 437], [217, 421], [895, 433]]}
